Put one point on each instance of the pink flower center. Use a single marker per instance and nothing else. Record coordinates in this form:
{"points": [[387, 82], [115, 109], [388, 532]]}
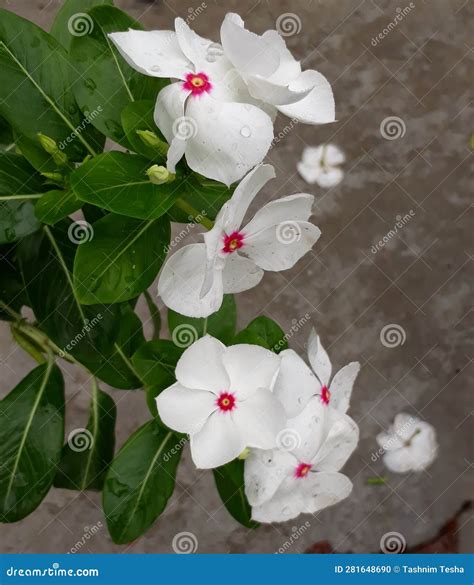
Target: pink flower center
{"points": [[325, 395], [197, 83], [233, 242], [226, 401], [302, 470]]}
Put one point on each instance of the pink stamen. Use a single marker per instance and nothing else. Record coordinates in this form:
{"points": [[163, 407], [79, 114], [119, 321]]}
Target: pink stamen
{"points": [[197, 83], [233, 242], [302, 470], [325, 395], [226, 401]]}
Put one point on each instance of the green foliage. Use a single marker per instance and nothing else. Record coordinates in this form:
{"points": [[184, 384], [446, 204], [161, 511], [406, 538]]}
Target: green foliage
{"points": [[264, 332]]}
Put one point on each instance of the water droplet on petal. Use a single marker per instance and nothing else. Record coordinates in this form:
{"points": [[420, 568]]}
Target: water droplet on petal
{"points": [[214, 52], [246, 132], [155, 68], [286, 511]]}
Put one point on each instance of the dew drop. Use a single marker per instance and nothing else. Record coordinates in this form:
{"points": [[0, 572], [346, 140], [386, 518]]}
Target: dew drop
{"points": [[155, 68], [90, 84], [246, 132]]}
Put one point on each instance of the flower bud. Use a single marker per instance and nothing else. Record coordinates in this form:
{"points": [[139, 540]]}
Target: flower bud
{"points": [[159, 175], [150, 139], [51, 147]]}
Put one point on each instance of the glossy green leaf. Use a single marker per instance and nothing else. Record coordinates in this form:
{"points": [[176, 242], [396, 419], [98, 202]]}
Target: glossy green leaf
{"points": [[87, 454], [12, 291], [265, 332], [6, 135], [31, 438], [140, 481], [185, 330], [155, 361], [20, 189], [137, 116], [103, 82], [70, 20], [116, 181], [121, 260], [56, 205], [34, 87], [230, 485]]}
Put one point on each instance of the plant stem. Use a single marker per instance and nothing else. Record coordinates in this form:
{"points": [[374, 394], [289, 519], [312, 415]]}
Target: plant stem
{"points": [[197, 215]]}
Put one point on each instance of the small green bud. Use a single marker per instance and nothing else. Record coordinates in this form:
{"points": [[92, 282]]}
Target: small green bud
{"points": [[60, 158], [50, 145], [149, 138], [159, 175], [54, 177]]}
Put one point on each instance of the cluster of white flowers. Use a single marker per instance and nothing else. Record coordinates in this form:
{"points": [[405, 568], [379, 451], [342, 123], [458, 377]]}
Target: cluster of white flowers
{"points": [[229, 399]]}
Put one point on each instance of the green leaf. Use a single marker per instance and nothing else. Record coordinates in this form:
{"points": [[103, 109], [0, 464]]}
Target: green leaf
{"points": [[205, 195], [20, 188], [88, 453], [102, 78], [140, 481], [185, 330], [31, 437], [154, 314], [139, 116], [6, 135], [12, 291], [121, 260], [116, 181], [46, 259], [34, 87], [155, 362], [265, 332], [70, 20], [56, 205], [115, 367], [229, 480]]}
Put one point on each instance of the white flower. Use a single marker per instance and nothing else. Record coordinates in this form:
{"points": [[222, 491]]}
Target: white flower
{"points": [[281, 484], [233, 258], [223, 399], [220, 112], [409, 445], [297, 383], [320, 164]]}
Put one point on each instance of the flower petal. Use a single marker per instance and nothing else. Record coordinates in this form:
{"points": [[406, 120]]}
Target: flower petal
{"points": [[185, 410], [286, 209], [341, 386], [339, 444], [250, 367], [274, 93], [329, 177], [229, 138], [280, 247], [318, 358], [333, 155], [260, 418], [264, 472], [289, 68], [323, 489], [201, 366], [156, 53], [295, 384], [217, 443], [287, 503], [418, 455], [240, 274], [169, 109], [318, 106], [181, 281]]}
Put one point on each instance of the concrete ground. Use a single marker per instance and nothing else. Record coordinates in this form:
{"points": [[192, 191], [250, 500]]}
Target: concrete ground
{"points": [[419, 280]]}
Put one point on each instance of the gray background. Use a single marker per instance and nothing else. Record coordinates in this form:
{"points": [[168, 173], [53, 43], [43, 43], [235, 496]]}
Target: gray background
{"points": [[419, 280]]}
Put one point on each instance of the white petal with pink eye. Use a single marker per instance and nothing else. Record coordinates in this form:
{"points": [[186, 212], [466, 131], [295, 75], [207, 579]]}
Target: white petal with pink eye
{"points": [[217, 443], [339, 444], [318, 358], [240, 274], [169, 109], [280, 247], [230, 138], [260, 418], [291, 208], [249, 53], [184, 409], [264, 472], [156, 53], [287, 503], [201, 366], [295, 384], [181, 281], [318, 106], [324, 489], [250, 367], [341, 386]]}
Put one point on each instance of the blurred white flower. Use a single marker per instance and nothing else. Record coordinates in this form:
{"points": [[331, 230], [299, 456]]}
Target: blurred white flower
{"points": [[320, 164], [220, 112], [280, 484], [409, 444], [233, 258], [223, 399], [297, 383]]}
